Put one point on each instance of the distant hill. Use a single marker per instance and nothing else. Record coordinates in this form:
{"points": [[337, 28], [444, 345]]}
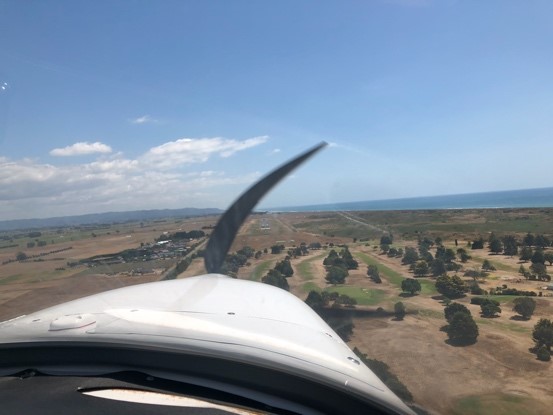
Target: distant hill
{"points": [[108, 217]]}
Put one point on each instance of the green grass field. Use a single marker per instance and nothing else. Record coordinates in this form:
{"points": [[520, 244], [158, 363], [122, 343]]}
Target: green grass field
{"points": [[498, 404], [310, 286], [304, 268], [427, 287], [261, 269], [363, 296]]}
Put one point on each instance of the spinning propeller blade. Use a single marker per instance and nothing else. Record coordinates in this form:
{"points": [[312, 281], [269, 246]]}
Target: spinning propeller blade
{"points": [[224, 233]]}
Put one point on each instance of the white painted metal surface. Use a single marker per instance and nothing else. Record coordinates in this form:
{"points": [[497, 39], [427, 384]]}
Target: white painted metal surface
{"points": [[215, 314]]}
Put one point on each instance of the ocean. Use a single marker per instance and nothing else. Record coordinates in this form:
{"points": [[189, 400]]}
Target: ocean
{"points": [[527, 198]]}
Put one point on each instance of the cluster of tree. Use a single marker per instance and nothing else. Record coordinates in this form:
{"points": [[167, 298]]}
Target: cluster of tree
{"points": [[321, 302], [234, 261], [422, 263], [537, 256], [477, 243], [475, 288], [509, 245], [194, 234], [374, 274], [277, 276], [488, 307], [410, 285], [463, 255], [31, 244], [315, 245], [385, 242], [337, 265], [297, 251], [475, 273], [387, 248], [183, 264], [543, 339], [394, 252], [461, 328], [22, 256], [277, 249], [504, 290], [538, 270], [382, 370], [451, 286]]}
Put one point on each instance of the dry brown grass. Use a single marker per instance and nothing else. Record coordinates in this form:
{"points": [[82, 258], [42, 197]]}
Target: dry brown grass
{"points": [[437, 373]]}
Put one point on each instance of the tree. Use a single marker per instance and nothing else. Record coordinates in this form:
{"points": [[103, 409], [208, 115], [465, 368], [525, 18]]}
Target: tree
{"points": [[453, 308], [30, 244], [386, 240], [449, 255], [522, 271], [373, 274], [538, 257], [410, 256], [348, 260], [543, 334], [539, 270], [475, 288], [346, 300], [385, 248], [425, 243], [462, 329], [277, 249], [410, 285], [477, 244], [463, 256], [525, 253], [487, 266], [315, 245], [425, 254], [451, 287], [510, 245], [399, 310], [316, 301], [548, 257], [21, 256], [330, 258], [275, 278], [541, 241], [528, 240], [438, 267], [247, 251], [421, 269], [496, 246], [543, 354], [336, 275], [285, 268], [490, 308], [524, 306]]}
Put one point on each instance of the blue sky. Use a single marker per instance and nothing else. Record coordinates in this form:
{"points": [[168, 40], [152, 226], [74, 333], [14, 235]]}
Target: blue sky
{"points": [[134, 105]]}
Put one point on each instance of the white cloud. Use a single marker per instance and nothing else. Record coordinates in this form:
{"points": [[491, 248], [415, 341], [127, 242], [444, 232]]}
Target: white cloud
{"points": [[276, 150], [81, 148], [143, 120], [157, 179], [196, 150]]}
